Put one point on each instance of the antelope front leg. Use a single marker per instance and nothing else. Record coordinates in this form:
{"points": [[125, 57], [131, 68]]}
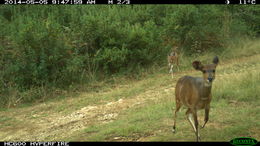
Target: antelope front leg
{"points": [[206, 116], [178, 64], [170, 68]]}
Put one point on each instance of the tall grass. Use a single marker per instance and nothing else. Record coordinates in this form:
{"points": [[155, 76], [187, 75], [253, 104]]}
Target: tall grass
{"points": [[60, 47], [239, 86], [234, 112]]}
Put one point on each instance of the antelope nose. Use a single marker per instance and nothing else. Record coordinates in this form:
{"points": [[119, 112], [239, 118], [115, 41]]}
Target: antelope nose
{"points": [[210, 79]]}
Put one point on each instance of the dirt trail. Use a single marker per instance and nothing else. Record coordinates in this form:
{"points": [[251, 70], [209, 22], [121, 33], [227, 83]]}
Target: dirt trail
{"points": [[57, 125]]}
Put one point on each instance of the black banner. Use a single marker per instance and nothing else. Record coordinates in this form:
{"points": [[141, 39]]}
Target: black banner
{"points": [[125, 2], [53, 143]]}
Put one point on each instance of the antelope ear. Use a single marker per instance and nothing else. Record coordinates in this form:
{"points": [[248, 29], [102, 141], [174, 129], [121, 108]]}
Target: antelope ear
{"points": [[215, 60], [197, 65]]}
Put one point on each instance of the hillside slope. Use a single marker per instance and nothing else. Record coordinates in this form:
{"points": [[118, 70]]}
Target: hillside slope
{"points": [[142, 111]]}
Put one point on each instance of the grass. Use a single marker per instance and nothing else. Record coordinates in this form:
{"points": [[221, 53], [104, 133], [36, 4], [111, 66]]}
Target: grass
{"points": [[234, 112], [146, 113]]}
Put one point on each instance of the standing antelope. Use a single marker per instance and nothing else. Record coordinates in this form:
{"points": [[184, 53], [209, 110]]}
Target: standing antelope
{"points": [[173, 58], [195, 94]]}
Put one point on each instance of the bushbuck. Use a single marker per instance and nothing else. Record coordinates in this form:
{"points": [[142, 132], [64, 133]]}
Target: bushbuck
{"points": [[173, 58], [195, 94]]}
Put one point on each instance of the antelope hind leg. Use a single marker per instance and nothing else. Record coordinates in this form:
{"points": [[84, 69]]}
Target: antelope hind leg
{"points": [[191, 116], [178, 106]]}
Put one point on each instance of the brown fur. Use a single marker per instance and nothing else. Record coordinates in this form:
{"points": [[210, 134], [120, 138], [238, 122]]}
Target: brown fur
{"points": [[195, 93], [173, 58]]}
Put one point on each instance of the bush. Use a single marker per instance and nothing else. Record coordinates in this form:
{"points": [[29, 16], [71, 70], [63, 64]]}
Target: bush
{"points": [[61, 45]]}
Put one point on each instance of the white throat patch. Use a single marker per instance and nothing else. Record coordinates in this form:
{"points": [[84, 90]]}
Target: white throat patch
{"points": [[207, 83]]}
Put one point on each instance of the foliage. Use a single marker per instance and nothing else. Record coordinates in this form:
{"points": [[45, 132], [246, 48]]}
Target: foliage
{"points": [[58, 46]]}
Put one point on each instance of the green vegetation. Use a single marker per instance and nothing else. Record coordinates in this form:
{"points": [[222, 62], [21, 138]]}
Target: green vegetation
{"points": [[234, 112], [45, 49], [142, 110], [99, 73]]}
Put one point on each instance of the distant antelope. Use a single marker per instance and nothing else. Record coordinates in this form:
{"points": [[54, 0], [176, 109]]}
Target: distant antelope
{"points": [[173, 58], [195, 94]]}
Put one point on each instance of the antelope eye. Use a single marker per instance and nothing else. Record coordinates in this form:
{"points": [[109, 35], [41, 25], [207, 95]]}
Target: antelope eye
{"points": [[213, 71], [203, 71]]}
